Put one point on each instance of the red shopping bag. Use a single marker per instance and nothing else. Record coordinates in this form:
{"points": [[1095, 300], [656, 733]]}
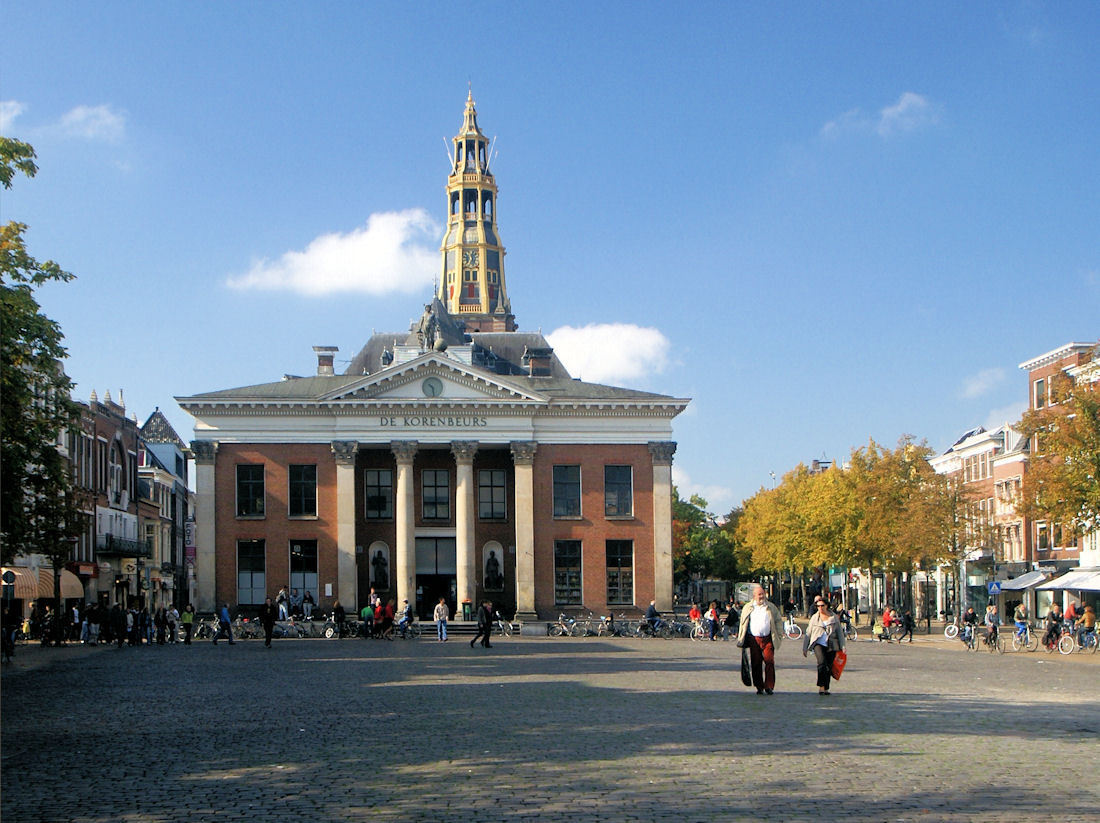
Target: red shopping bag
{"points": [[839, 662]]}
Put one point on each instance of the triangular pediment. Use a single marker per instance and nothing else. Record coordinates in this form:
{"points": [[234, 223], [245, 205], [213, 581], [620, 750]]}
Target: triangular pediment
{"points": [[434, 377]]}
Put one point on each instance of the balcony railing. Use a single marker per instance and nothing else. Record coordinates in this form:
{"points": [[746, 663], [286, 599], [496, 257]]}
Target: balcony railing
{"points": [[107, 545]]}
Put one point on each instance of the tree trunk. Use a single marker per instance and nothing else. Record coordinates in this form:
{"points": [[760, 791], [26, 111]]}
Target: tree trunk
{"points": [[802, 590]]}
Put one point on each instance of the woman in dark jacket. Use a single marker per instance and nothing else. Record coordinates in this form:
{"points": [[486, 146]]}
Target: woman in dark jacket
{"points": [[267, 620], [484, 625]]}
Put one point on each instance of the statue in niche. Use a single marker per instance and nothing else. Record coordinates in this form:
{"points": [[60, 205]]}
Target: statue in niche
{"points": [[494, 578], [380, 570]]}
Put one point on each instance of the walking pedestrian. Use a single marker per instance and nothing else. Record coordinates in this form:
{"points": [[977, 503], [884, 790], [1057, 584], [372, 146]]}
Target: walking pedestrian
{"points": [[907, 626], [484, 625], [267, 619], [441, 614], [762, 631], [173, 616], [188, 618], [825, 637], [10, 621], [225, 626]]}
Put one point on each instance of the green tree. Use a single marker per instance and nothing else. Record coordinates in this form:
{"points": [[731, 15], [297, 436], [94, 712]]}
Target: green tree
{"points": [[1062, 483], [37, 514]]}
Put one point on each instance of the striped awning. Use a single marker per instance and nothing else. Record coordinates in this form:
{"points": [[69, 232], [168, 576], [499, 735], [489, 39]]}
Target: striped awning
{"points": [[25, 587]]}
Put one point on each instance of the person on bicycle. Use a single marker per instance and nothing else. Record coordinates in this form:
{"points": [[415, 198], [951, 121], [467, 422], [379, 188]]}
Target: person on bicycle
{"points": [[1054, 625], [406, 617], [970, 622], [992, 623], [1019, 617], [653, 617], [1087, 624], [694, 615]]}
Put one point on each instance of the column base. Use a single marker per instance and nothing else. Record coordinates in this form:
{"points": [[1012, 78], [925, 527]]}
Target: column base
{"points": [[526, 617]]}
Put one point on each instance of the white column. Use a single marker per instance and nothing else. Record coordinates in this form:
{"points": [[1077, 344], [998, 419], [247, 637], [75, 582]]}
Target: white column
{"points": [[347, 579], [662, 452], [205, 570], [465, 506], [405, 514], [523, 455]]}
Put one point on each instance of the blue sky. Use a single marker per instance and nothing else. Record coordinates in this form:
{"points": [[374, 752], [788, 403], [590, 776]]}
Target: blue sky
{"points": [[822, 222]]}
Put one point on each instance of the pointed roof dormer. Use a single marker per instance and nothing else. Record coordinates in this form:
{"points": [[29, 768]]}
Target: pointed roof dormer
{"points": [[472, 284]]}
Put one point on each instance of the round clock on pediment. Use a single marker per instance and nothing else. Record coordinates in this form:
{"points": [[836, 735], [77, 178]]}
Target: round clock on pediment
{"points": [[432, 387]]}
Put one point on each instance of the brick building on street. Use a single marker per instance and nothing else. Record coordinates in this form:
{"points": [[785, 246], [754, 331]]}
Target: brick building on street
{"points": [[458, 459]]}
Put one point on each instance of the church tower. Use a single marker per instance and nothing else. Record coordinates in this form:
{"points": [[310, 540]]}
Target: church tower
{"points": [[472, 286]]}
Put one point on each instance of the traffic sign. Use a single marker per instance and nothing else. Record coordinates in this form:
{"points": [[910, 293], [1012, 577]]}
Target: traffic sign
{"points": [[994, 587]]}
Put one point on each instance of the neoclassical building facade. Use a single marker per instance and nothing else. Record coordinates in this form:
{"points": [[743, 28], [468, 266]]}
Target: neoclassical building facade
{"points": [[458, 459]]}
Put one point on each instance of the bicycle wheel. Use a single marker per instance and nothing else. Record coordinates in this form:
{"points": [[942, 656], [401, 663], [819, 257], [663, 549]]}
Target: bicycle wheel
{"points": [[1066, 645], [1001, 644], [414, 631], [853, 634], [698, 633], [794, 632], [576, 630], [950, 631], [329, 631], [557, 630], [1032, 642], [1018, 642]]}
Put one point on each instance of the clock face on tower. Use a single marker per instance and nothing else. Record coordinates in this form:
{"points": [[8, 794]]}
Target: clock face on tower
{"points": [[469, 257], [432, 387]]}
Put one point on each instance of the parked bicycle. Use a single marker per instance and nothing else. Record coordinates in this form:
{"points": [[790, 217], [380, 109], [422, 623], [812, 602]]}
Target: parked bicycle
{"points": [[791, 630], [563, 627]]}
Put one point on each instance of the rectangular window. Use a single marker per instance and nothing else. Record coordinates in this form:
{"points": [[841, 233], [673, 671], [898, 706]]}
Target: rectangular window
{"points": [[1043, 537], [303, 491], [250, 491], [379, 493], [492, 494], [567, 572], [1040, 393], [567, 491], [620, 572], [436, 494], [303, 567], [618, 497], [251, 586]]}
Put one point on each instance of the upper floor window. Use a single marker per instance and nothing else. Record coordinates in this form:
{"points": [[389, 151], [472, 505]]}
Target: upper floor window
{"points": [[303, 491], [1040, 393], [250, 490], [492, 494], [379, 494], [567, 491], [618, 498], [436, 494]]}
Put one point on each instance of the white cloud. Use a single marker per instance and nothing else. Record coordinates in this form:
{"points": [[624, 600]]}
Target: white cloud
{"points": [[391, 253], [720, 499], [977, 385], [94, 123], [1005, 414], [910, 112], [9, 110], [610, 352]]}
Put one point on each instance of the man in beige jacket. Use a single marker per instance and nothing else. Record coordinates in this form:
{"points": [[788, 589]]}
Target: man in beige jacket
{"points": [[761, 630]]}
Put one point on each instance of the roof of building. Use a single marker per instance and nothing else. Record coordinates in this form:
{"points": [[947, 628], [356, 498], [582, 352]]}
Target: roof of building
{"points": [[157, 429]]}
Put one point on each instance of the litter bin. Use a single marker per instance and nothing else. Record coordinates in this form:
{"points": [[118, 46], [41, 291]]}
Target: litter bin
{"points": [[467, 612]]}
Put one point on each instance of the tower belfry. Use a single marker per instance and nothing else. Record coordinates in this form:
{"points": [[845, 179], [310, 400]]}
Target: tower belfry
{"points": [[472, 286]]}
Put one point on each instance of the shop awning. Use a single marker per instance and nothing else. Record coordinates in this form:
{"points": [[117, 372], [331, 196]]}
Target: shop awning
{"points": [[1024, 581], [26, 589], [1077, 580]]}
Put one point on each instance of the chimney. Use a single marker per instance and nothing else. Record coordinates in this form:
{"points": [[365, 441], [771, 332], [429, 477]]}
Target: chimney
{"points": [[537, 361], [325, 356]]}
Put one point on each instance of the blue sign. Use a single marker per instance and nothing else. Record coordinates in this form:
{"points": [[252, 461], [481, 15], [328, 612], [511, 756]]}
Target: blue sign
{"points": [[994, 587]]}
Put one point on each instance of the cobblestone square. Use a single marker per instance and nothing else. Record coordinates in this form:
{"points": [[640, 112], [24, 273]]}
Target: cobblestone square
{"points": [[543, 729]]}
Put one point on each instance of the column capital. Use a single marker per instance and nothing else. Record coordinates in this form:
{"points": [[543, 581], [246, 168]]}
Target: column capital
{"points": [[404, 450], [523, 452], [204, 450], [464, 450], [662, 451], [344, 451]]}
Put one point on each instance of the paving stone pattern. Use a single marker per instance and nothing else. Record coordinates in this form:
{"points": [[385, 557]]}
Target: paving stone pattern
{"points": [[543, 729]]}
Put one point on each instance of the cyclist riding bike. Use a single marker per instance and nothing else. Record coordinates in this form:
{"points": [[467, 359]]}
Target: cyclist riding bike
{"points": [[653, 617], [969, 623], [1053, 625], [1087, 624], [992, 623], [1019, 616]]}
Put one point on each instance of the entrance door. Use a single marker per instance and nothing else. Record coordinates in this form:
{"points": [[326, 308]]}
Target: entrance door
{"points": [[436, 570]]}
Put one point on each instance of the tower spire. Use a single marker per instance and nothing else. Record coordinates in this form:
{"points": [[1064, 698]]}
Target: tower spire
{"points": [[472, 286]]}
